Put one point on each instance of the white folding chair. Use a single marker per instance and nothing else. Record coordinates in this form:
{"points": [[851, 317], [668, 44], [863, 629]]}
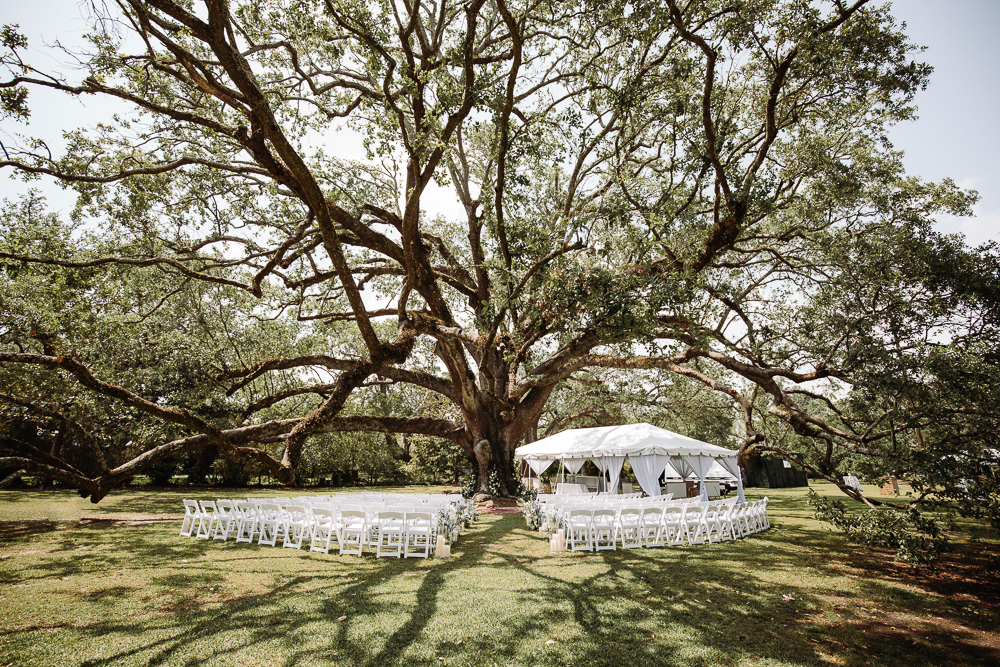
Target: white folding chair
{"points": [[710, 523], [270, 524], [605, 529], [725, 522], [756, 522], [765, 522], [673, 521], [227, 519], [295, 519], [745, 517], [372, 509], [246, 523], [579, 524], [323, 530], [694, 529], [391, 534], [652, 526], [419, 535], [209, 517], [192, 518], [353, 531], [629, 527]]}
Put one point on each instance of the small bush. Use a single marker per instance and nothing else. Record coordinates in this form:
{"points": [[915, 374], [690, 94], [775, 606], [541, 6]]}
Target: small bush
{"points": [[161, 472]]}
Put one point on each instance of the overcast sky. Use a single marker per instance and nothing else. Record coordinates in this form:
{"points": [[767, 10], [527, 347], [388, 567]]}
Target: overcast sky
{"points": [[957, 134]]}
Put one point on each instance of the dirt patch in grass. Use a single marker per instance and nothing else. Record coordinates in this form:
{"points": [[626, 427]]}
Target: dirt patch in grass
{"points": [[962, 576], [953, 617]]}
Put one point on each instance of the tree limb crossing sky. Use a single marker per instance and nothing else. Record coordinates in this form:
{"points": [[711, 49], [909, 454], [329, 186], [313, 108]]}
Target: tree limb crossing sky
{"points": [[956, 135]]}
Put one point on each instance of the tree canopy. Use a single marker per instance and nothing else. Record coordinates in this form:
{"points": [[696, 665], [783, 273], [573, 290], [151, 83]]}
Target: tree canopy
{"points": [[653, 194]]}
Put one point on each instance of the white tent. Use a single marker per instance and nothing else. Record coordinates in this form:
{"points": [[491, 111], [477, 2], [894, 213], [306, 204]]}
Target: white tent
{"points": [[649, 450]]}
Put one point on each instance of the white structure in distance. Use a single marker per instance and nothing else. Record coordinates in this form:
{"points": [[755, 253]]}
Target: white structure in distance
{"points": [[649, 450]]}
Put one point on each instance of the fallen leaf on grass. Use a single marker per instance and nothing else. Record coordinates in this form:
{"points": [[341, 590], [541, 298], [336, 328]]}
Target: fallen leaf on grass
{"points": [[787, 598], [342, 618], [550, 642]]}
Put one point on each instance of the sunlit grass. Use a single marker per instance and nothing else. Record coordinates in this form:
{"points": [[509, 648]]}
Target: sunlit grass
{"points": [[114, 584]]}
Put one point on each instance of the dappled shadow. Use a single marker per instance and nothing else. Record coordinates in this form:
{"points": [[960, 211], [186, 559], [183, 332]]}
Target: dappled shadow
{"points": [[773, 596], [12, 532], [264, 618], [731, 612]]}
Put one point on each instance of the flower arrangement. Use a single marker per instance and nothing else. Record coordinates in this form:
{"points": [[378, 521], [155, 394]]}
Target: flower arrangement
{"points": [[453, 518], [533, 514], [551, 524], [466, 513], [449, 523], [493, 484], [469, 486]]}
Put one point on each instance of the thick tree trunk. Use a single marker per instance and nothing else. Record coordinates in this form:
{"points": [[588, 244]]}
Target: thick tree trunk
{"points": [[494, 455]]}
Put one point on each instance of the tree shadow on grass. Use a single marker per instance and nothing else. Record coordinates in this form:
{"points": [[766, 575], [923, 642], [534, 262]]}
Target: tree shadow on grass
{"points": [[274, 617], [14, 532], [710, 604], [726, 612]]}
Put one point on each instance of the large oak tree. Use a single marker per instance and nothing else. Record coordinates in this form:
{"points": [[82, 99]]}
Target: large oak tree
{"points": [[700, 189]]}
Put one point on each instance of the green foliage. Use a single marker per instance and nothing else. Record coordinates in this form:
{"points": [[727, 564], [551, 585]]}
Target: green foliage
{"points": [[13, 99], [162, 472], [917, 539]]}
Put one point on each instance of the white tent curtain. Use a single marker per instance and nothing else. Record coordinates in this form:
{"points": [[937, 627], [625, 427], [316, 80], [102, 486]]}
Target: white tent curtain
{"points": [[647, 469], [573, 465], [602, 466], [700, 465], [681, 466], [539, 465], [732, 465], [613, 466]]}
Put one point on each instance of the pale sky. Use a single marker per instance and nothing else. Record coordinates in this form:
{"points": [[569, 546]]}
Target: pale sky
{"points": [[957, 134]]}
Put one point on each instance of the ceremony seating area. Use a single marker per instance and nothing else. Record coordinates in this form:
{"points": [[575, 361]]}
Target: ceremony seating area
{"points": [[596, 522], [389, 524]]}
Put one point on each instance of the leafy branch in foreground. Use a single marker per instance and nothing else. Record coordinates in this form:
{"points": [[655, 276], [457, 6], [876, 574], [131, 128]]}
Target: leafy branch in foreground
{"points": [[917, 539]]}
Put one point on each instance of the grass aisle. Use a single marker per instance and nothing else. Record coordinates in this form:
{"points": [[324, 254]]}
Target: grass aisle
{"points": [[113, 585]]}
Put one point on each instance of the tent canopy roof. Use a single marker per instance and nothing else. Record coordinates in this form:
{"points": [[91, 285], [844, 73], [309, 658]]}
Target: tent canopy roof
{"points": [[634, 439]]}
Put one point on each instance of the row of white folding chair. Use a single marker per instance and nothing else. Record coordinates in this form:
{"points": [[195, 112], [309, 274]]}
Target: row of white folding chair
{"points": [[269, 521], [553, 509], [362, 526], [204, 518], [388, 533], [650, 525], [247, 520], [406, 534], [602, 528], [362, 521], [674, 524]]}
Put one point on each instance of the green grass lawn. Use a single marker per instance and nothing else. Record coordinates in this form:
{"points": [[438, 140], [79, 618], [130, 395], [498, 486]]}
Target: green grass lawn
{"points": [[113, 584]]}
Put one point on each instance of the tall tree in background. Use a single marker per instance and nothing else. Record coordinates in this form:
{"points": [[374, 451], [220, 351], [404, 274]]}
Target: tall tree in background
{"points": [[702, 188]]}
